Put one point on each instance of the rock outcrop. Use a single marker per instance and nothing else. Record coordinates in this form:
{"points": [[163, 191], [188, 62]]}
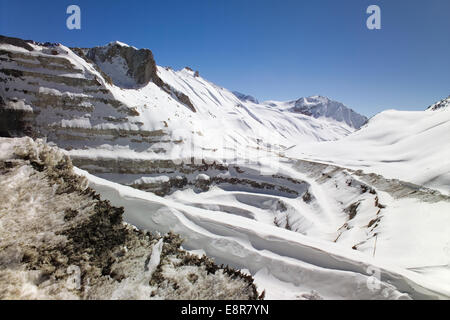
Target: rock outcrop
{"points": [[444, 103], [16, 42], [129, 67], [138, 65], [245, 97]]}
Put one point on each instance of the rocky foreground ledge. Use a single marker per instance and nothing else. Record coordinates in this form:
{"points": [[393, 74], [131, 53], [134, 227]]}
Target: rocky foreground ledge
{"points": [[59, 240]]}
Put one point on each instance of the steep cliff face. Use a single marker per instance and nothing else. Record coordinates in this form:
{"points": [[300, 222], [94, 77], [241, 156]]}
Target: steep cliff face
{"points": [[127, 66]]}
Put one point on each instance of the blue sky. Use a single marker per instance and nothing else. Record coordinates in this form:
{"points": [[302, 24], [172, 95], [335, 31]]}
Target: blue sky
{"points": [[279, 50]]}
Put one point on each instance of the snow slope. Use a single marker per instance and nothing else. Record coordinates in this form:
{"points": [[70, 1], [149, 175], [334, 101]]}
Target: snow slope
{"points": [[247, 120], [285, 263], [413, 146]]}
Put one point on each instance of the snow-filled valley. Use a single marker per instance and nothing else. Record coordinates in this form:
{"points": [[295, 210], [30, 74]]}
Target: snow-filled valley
{"points": [[310, 198]]}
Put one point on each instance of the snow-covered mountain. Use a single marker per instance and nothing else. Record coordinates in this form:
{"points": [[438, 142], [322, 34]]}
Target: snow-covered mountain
{"points": [[124, 106], [413, 146], [290, 192], [245, 97], [323, 107]]}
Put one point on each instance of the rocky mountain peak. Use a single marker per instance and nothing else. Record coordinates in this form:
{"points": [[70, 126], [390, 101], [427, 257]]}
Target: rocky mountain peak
{"points": [[127, 66], [245, 97], [319, 106], [444, 103]]}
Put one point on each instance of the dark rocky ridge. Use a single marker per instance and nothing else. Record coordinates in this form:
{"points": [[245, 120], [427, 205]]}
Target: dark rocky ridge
{"points": [[15, 123], [444, 103], [141, 64], [16, 42]]}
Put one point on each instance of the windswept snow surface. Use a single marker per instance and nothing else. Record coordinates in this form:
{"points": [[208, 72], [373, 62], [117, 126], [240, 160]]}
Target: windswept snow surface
{"points": [[413, 146], [287, 264]]}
